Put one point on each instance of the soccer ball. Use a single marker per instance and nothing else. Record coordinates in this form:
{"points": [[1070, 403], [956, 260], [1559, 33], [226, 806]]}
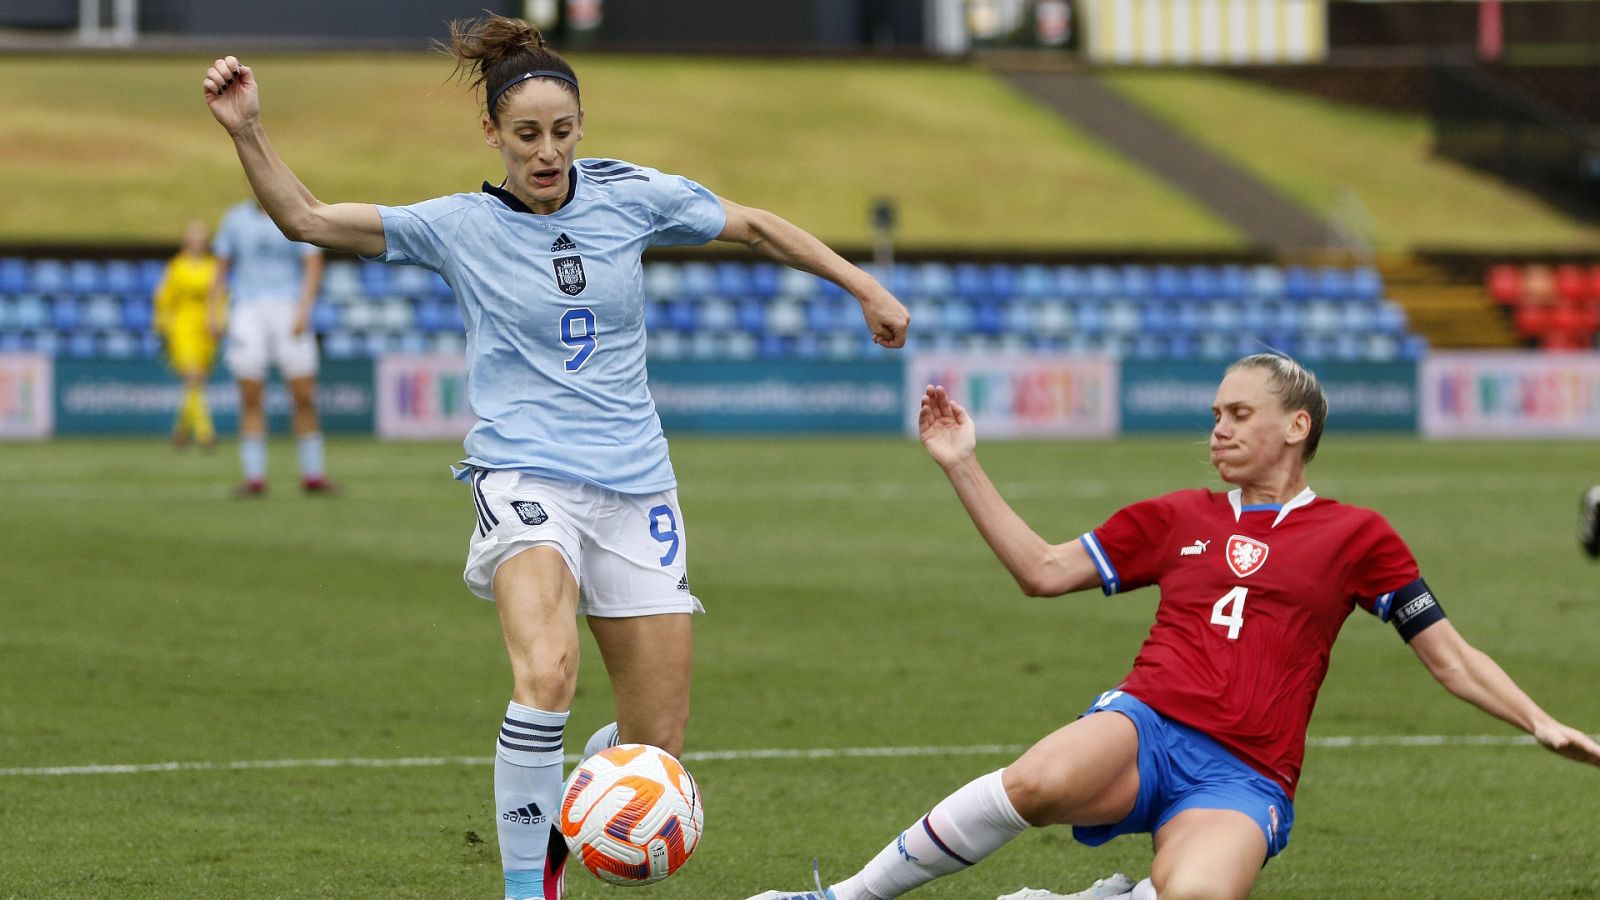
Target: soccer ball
{"points": [[631, 814]]}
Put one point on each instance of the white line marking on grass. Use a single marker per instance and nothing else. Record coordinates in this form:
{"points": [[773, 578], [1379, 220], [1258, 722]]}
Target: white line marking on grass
{"points": [[1404, 740]]}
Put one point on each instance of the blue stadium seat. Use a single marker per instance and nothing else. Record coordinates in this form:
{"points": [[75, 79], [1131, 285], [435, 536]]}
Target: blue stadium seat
{"points": [[82, 345], [795, 283], [1286, 318], [751, 315], [841, 345], [13, 275], [902, 281], [1089, 318], [1051, 345], [682, 315], [1149, 347], [411, 342], [935, 279], [65, 314], [340, 345], [776, 346], [1358, 317], [120, 344], [1193, 316], [1298, 284], [46, 342], [85, 277], [1160, 318], [717, 314], [1018, 316], [699, 279], [1367, 284], [1322, 317], [11, 342], [1335, 284], [122, 277], [733, 280], [374, 278], [48, 276], [1233, 283], [665, 344], [741, 345], [32, 312], [149, 345], [829, 314], [1181, 347], [1348, 347], [397, 315], [136, 313], [971, 281], [764, 279], [376, 343], [1266, 283], [956, 317], [988, 317], [324, 318], [1205, 282], [1050, 319], [1071, 282], [1122, 318], [1391, 318], [1223, 315], [1170, 283], [1413, 347], [8, 314], [1002, 281], [786, 317], [358, 316], [450, 343], [1034, 281], [150, 274], [1316, 347], [1257, 315], [100, 312], [1381, 348], [1137, 282]]}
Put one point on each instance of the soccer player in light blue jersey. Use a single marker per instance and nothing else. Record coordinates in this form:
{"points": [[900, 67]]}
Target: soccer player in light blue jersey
{"points": [[272, 283], [568, 466]]}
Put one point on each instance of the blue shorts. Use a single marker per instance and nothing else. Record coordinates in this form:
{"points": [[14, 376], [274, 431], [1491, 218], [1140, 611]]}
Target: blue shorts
{"points": [[1181, 768]]}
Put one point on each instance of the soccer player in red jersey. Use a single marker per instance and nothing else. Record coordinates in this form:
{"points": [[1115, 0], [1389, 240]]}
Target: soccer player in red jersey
{"points": [[1206, 734]]}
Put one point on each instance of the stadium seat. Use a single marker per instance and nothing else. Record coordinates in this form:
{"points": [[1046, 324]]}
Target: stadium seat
{"points": [[1160, 317], [32, 312], [1334, 284], [1223, 315], [1381, 348], [65, 313], [376, 343], [1205, 283], [776, 346], [374, 278], [85, 277], [1122, 318], [1170, 283], [1034, 281], [46, 342], [151, 272], [1298, 284], [100, 312], [1391, 318], [988, 317], [1233, 283], [396, 315], [1504, 284], [716, 314], [1572, 284], [786, 317], [1049, 319], [122, 277], [957, 316], [1072, 282], [136, 313], [13, 275], [764, 279], [699, 279], [1017, 317], [411, 342], [1367, 284], [1322, 317], [8, 314], [1102, 283], [1136, 282], [11, 342], [450, 343], [340, 345], [741, 345], [1267, 283], [324, 318], [48, 276], [971, 281], [1193, 316], [795, 283], [81, 345], [733, 280], [750, 315], [119, 344], [358, 316], [1356, 317], [682, 315]]}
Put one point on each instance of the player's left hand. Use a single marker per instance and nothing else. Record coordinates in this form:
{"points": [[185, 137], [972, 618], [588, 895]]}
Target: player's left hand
{"points": [[886, 317], [1569, 742], [302, 322]]}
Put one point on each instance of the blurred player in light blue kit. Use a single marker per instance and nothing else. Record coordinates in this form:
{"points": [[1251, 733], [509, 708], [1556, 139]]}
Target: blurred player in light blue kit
{"points": [[273, 282], [568, 467]]}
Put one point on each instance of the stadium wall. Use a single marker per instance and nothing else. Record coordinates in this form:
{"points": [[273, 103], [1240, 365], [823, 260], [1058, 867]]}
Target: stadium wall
{"points": [[1505, 395]]}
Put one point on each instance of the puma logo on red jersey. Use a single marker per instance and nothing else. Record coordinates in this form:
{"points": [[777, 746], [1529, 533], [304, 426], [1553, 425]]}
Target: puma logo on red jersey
{"points": [[1195, 549], [1245, 555]]}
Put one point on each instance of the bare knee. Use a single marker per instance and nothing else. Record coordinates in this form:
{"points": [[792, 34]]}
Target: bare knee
{"points": [[1194, 886], [1036, 794], [548, 681]]}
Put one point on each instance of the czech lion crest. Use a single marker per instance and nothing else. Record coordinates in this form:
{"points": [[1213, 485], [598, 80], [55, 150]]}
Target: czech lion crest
{"points": [[1245, 555]]}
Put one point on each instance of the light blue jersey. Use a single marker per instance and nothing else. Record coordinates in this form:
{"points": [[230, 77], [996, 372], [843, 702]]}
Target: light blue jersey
{"points": [[263, 264], [554, 309]]}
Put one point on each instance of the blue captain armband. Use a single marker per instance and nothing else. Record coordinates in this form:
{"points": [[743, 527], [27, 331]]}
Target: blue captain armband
{"points": [[1411, 608]]}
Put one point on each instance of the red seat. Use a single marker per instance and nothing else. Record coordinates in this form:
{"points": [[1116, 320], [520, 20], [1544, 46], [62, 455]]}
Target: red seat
{"points": [[1533, 321], [1572, 284], [1504, 284]]}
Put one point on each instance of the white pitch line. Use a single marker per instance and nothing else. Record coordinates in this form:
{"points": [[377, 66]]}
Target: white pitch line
{"points": [[1407, 740]]}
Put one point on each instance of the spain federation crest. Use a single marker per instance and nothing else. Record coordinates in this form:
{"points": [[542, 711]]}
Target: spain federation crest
{"points": [[569, 275], [1245, 555]]}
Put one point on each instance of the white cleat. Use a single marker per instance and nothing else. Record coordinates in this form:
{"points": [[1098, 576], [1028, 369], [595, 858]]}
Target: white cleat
{"points": [[801, 895], [1104, 889]]}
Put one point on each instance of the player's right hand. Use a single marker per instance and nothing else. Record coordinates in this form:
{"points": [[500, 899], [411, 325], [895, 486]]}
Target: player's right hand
{"points": [[946, 430], [232, 94]]}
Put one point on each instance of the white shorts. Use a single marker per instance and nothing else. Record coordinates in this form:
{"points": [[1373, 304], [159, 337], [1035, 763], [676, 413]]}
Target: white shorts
{"points": [[628, 552], [262, 332]]}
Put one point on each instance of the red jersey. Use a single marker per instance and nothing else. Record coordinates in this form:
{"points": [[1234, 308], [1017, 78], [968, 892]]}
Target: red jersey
{"points": [[1251, 601]]}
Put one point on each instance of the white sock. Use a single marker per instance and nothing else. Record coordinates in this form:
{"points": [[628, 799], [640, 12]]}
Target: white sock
{"points": [[310, 446], [1144, 890], [527, 801], [600, 740], [253, 456], [964, 828]]}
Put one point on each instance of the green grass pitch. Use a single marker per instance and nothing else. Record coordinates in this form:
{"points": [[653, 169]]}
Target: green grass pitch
{"points": [[147, 617]]}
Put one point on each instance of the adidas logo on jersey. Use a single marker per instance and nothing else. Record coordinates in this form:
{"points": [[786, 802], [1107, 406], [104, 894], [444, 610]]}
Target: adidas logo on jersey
{"points": [[683, 583], [563, 243], [528, 815]]}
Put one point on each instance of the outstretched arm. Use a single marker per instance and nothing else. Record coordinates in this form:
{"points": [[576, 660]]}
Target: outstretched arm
{"points": [[781, 240], [1470, 674], [1041, 569], [235, 101]]}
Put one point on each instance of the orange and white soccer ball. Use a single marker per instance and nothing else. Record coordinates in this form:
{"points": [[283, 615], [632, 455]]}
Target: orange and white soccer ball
{"points": [[631, 814]]}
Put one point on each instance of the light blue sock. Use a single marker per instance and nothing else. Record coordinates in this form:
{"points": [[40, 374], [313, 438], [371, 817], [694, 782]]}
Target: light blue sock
{"points": [[527, 802], [311, 455], [600, 740], [253, 456]]}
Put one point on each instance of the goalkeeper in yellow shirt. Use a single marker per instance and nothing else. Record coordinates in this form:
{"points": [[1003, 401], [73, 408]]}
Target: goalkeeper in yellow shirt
{"points": [[181, 311]]}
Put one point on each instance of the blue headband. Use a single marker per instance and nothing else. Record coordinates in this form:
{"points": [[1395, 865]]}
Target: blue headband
{"points": [[538, 73]]}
